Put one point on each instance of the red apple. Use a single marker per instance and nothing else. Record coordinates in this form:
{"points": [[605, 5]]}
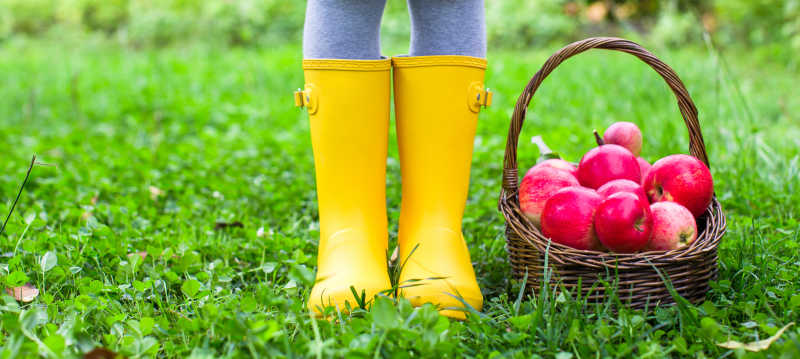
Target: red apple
{"points": [[623, 222], [538, 185], [568, 217], [644, 167], [673, 226], [607, 163], [559, 164], [683, 179], [625, 134], [622, 185]]}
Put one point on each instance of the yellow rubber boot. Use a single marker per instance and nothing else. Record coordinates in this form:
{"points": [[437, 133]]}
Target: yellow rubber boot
{"points": [[437, 100], [348, 106]]}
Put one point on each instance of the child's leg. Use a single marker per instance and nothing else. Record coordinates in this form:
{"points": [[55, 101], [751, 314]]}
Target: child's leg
{"points": [[437, 99], [447, 27], [347, 94], [343, 29]]}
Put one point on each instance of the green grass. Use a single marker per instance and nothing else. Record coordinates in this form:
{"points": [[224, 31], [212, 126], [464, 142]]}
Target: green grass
{"points": [[214, 134]]}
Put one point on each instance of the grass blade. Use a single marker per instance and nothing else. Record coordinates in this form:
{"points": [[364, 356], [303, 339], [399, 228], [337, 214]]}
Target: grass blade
{"points": [[19, 193]]}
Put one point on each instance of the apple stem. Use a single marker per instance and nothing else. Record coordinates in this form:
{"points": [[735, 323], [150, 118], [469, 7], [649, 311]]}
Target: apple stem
{"points": [[638, 225], [599, 139]]}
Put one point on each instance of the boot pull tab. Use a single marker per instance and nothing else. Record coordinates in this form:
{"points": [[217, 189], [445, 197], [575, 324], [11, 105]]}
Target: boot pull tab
{"points": [[478, 96], [306, 98]]}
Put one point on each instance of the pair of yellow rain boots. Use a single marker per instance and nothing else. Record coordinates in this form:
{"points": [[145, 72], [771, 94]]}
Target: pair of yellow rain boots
{"points": [[437, 101]]}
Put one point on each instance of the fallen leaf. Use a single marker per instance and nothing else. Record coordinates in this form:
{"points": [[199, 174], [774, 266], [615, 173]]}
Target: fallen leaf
{"points": [[101, 353], [26, 293], [155, 192], [223, 225], [756, 346], [141, 254]]}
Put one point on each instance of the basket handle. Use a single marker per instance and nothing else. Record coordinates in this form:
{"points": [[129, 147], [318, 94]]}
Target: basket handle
{"points": [[689, 112]]}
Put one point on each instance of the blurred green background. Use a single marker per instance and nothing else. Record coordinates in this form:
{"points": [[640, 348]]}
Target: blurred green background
{"points": [[162, 119], [514, 24]]}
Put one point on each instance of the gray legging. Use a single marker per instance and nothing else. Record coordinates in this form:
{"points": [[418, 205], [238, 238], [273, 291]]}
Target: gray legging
{"points": [[350, 29]]}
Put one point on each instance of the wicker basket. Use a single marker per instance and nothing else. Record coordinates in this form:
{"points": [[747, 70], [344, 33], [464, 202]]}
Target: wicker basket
{"points": [[639, 284]]}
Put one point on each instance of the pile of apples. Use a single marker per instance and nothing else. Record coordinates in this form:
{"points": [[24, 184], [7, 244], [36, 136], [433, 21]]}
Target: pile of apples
{"points": [[616, 200]]}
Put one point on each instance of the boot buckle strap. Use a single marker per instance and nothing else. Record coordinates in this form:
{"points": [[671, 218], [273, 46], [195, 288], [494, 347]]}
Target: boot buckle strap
{"points": [[485, 99], [478, 96], [299, 98], [306, 98]]}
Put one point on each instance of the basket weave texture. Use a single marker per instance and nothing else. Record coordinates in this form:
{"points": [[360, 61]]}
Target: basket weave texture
{"points": [[638, 276]]}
